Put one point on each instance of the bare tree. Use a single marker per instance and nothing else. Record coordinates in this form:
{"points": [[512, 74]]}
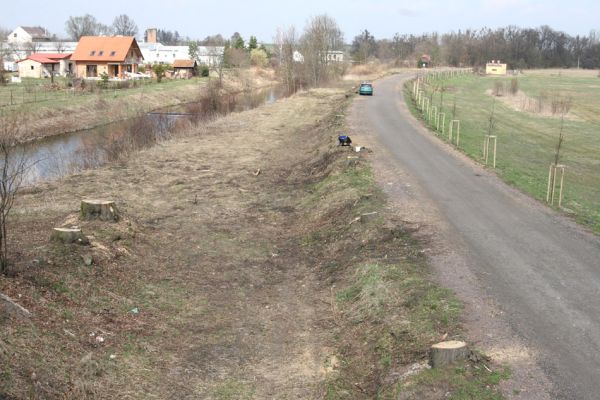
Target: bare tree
{"points": [[321, 36], [217, 61], [123, 25], [14, 166], [286, 42], [85, 25]]}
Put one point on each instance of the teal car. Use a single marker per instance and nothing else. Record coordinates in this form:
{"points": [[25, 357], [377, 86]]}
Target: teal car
{"points": [[365, 89]]}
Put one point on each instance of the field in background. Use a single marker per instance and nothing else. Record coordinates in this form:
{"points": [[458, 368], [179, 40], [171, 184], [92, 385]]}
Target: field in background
{"points": [[528, 130]]}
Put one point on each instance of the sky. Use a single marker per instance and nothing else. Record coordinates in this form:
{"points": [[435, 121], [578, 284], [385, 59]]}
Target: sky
{"points": [[261, 18]]}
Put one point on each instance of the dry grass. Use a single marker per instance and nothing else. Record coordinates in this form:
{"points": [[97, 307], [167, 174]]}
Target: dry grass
{"points": [[203, 252]]}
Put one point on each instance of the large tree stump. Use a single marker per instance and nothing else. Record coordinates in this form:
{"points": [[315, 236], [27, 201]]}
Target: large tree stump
{"points": [[99, 209], [69, 235], [446, 353]]}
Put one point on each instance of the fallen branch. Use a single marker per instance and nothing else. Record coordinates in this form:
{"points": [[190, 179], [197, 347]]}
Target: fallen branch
{"points": [[13, 308]]}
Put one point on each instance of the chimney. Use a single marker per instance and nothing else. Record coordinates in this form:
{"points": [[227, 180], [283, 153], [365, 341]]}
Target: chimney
{"points": [[151, 35]]}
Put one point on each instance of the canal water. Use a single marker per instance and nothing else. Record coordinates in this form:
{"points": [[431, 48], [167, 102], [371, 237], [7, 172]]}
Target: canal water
{"points": [[61, 155]]}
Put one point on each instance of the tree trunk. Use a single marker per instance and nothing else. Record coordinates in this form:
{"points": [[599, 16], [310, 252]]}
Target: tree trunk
{"points": [[99, 209], [446, 353]]}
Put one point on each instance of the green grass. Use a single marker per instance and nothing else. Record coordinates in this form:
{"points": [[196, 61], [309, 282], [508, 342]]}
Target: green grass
{"points": [[233, 390], [463, 382], [527, 140], [390, 310], [38, 93]]}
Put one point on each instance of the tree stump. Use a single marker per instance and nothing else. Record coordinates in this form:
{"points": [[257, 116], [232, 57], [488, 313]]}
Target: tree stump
{"points": [[69, 235], [99, 209], [446, 353]]}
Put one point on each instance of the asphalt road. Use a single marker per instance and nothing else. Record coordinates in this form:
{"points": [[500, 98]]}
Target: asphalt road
{"points": [[541, 268]]}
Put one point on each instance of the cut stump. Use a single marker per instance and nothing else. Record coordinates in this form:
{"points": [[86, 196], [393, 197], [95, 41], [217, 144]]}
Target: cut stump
{"points": [[99, 209], [446, 353], [69, 235]]}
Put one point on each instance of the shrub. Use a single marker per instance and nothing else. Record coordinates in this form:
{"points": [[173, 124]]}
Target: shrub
{"points": [[258, 57], [103, 82], [204, 70], [159, 70]]}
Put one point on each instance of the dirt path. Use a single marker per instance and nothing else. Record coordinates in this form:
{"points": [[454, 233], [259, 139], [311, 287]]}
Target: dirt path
{"points": [[208, 249]]}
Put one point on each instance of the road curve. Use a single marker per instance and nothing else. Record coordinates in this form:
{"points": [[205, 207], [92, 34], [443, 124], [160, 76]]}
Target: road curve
{"points": [[541, 268]]}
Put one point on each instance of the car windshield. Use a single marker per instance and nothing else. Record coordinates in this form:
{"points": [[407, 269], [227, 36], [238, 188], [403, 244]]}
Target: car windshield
{"points": [[366, 85]]}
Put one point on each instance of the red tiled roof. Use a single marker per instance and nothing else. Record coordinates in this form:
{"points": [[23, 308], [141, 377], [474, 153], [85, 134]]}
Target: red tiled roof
{"points": [[184, 63], [47, 58], [105, 48]]}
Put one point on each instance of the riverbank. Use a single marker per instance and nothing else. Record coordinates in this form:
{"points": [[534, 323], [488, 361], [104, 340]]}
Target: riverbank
{"points": [[80, 112]]}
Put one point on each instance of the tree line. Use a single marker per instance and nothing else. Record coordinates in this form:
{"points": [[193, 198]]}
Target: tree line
{"points": [[520, 48]]}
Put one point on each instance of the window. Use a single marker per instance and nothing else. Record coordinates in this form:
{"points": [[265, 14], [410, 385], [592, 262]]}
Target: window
{"points": [[15, 35], [93, 53], [101, 53], [32, 68], [112, 53]]}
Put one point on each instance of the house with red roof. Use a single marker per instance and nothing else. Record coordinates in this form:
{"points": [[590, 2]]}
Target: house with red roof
{"points": [[44, 65], [115, 56]]}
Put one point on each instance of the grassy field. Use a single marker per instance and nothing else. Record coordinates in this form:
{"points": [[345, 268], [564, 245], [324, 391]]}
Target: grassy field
{"points": [[44, 112], [528, 130]]}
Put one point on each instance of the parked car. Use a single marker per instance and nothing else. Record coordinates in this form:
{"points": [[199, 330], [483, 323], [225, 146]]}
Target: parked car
{"points": [[365, 89]]}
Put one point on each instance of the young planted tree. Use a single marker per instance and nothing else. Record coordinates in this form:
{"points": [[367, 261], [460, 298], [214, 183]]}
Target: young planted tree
{"points": [[14, 166]]}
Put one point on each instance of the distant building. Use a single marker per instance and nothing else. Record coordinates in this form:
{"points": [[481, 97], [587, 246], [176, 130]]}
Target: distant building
{"points": [[298, 57], [158, 53], [185, 69], [115, 56], [27, 34], [495, 68], [424, 61], [39, 65], [335, 56]]}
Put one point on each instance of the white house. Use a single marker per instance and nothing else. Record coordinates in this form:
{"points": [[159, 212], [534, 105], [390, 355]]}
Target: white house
{"points": [[158, 53], [335, 56], [27, 34], [298, 57], [40, 65]]}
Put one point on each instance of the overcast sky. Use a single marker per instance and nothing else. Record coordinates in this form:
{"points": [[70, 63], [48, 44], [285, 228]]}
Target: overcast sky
{"points": [[261, 18]]}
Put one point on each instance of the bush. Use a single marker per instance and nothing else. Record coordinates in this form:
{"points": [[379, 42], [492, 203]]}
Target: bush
{"points": [[103, 82], [159, 70], [204, 70], [258, 57]]}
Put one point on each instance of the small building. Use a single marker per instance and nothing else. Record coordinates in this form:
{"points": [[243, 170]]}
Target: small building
{"points": [[44, 65], [28, 34], [495, 68], [115, 56], [424, 61], [335, 56], [185, 69]]}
